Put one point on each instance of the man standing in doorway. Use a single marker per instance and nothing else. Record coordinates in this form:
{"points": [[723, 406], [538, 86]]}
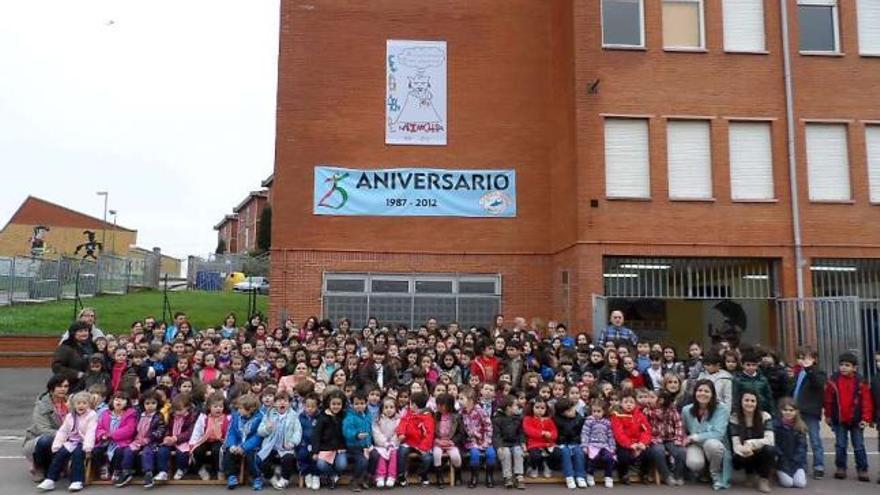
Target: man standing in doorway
{"points": [[616, 331]]}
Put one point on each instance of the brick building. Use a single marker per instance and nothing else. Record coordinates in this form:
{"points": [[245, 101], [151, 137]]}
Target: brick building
{"points": [[651, 144], [227, 231], [61, 230]]}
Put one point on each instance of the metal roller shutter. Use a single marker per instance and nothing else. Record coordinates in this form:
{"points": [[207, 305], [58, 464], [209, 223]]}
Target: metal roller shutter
{"points": [[744, 25], [828, 162], [869, 26], [689, 159], [751, 161], [627, 166], [872, 139]]}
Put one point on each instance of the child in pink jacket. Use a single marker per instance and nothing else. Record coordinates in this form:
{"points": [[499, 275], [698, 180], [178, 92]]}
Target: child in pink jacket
{"points": [[116, 430], [73, 441]]}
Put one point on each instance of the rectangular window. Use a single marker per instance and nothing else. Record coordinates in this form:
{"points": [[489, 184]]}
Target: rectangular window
{"points": [[869, 26], [744, 25], [872, 139], [817, 21], [379, 285], [627, 167], [623, 23], [751, 161], [828, 162], [683, 24], [689, 159]]}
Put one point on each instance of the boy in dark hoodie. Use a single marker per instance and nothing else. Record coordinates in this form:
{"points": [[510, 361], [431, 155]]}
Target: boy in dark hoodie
{"points": [[750, 379], [508, 439], [848, 410], [305, 463], [808, 390], [96, 374]]}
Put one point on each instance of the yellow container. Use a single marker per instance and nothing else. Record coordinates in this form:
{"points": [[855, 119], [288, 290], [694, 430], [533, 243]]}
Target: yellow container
{"points": [[232, 279]]}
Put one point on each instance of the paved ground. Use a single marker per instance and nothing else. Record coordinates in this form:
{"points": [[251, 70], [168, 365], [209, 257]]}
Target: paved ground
{"points": [[19, 387]]}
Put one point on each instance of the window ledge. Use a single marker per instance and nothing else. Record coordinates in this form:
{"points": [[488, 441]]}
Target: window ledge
{"points": [[625, 198], [747, 52], [833, 201], [809, 53], [755, 201], [870, 55], [672, 49], [693, 200], [635, 48]]}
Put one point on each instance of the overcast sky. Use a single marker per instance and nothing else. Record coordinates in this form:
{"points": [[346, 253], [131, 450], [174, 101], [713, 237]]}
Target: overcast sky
{"points": [[168, 105]]}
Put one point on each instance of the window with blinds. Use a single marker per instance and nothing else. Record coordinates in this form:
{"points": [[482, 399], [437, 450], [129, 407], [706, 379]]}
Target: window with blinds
{"points": [[828, 162], [751, 161], [627, 166], [868, 13], [744, 25], [872, 140], [689, 159], [683, 24]]}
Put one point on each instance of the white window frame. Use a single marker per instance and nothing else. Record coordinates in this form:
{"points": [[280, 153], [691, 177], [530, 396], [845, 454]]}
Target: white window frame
{"points": [[835, 17], [702, 46], [641, 28], [769, 126], [711, 193], [859, 26], [647, 123], [763, 48]]}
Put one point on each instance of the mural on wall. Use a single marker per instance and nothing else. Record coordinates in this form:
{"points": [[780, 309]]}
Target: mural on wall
{"points": [[734, 325], [415, 99], [90, 246], [37, 241]]}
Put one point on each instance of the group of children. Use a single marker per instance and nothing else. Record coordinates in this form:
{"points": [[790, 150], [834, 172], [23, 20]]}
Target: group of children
{"points": [[320, 401]]}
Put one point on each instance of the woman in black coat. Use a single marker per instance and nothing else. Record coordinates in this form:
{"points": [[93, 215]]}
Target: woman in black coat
{"points": [[71, 358]]}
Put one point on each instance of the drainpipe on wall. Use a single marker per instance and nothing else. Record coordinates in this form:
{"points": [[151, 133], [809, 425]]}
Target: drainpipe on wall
{"points": [[792, 165]]}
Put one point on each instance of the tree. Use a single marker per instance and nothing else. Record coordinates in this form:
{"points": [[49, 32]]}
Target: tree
{"points": [[264, 233], [221, 247]]}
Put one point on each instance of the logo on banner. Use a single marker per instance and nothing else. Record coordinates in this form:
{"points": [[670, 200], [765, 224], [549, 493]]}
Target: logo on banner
{"points": [[336, 196], [495, 202]]}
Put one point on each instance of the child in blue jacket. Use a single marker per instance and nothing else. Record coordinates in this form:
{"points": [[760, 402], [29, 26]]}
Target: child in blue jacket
{"points": [[357, 429], [305, 461], [242, 441]]}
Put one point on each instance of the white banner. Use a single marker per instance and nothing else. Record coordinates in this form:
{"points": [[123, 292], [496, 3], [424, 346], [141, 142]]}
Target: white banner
{"points": [[415, 99]]}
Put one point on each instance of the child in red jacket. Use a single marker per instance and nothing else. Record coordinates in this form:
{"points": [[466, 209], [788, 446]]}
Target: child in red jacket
{"points": [[632, 433], [848, 410], [416, 433], [541, 433]]}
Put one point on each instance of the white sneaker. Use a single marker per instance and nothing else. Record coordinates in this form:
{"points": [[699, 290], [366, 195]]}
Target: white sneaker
{"points": [[276, 483], [75, 486], [204, 474], [316, 482], [569, 482], [389, 483], [609, 482], [581, 483], [47, 485], [380, 482], [532, 473], [179, 474], [591, 480], [547, 472]]}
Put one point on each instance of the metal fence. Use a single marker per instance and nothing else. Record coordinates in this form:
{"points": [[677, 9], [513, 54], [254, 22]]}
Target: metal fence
{"points": [[208, 273], [28, 280], [831, 325]]}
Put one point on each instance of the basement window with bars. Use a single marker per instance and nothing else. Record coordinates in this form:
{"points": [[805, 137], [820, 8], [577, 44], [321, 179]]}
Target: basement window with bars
{"points": [[407, 299]]}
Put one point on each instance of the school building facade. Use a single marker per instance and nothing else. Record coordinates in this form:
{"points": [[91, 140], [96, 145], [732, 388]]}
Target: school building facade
{"points": [[655, 143]]}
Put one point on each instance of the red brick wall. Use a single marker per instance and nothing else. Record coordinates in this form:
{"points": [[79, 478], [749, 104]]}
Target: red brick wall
{"points": [[518, 76]]}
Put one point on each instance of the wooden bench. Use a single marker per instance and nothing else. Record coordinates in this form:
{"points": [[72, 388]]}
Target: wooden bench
{"points": [[93, 479]]}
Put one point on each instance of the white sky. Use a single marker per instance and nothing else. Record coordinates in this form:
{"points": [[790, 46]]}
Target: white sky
{"points": [[168, 105]]}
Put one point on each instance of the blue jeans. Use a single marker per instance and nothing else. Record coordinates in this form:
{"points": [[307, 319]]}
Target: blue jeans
{"points": [[476, 454], [426, 459], [181, 459], [77, 460], [857, 437], [358, 461], [573, 462], [43, 451], [304, 461], [340, 464], [814, 426], [231, 463]]}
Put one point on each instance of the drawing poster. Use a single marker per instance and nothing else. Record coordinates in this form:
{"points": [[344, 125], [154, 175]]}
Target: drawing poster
{"points": [[415, 100]]}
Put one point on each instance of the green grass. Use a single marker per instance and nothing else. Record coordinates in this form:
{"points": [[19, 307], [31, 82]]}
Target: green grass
{"points": [[115, 313]]}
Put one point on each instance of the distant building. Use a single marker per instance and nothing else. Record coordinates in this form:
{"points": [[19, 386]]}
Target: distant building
{"points": [[43, 228], [227, 231], [249, 211], [168, 266]]}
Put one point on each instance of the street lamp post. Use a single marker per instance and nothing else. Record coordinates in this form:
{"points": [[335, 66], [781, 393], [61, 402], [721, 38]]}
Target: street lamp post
{"points": [[113, 249], [104, 225]]}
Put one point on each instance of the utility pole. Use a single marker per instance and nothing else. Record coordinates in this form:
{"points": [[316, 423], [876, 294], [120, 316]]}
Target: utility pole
{"points": [[104, 225], [113, 249]]}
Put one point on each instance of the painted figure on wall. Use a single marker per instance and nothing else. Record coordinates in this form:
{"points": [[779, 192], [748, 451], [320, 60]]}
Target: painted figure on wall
{"points": [[37, 241], [735, 323], [90, 246]]}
